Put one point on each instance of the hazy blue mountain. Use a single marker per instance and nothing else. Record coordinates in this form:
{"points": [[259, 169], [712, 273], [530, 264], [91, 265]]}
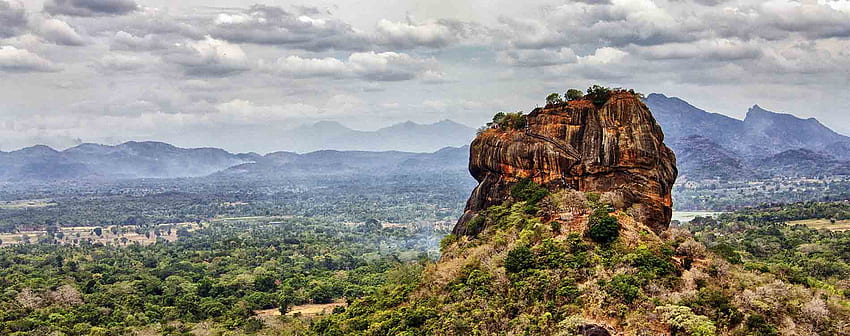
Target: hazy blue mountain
{"points": [[680, 119], [128, 160], [450, 160], [801, 163], [708, 145], [152, 159], [407, 137], [699, 158], [40, 163], [764, 144], [760, 135]]}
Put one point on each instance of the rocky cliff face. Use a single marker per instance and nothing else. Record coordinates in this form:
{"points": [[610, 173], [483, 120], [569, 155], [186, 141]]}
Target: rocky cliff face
{"points": [[614, 148]]}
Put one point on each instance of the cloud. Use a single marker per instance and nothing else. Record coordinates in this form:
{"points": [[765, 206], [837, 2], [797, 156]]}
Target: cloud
{"points": [[90, 7], [371, 66], [312, 67], [122, 62], [20, 60], [245, 112], [13, 18], [714, 50], [606, 55], [59, 32], [433, 33], [276, 26], [537, 57], [209, 58]]}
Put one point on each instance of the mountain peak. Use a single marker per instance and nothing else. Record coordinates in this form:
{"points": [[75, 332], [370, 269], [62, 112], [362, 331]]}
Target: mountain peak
{"points": [[328, 124], [37, 149]]}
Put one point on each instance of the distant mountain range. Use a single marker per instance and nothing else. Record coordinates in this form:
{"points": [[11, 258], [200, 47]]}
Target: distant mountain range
{"points": [[707, 145], [332, 162], [764, 144], [407, 136], [127, 160]]}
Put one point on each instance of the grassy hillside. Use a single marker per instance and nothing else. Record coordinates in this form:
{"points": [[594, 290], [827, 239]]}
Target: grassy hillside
{"points": [[566, 265]]}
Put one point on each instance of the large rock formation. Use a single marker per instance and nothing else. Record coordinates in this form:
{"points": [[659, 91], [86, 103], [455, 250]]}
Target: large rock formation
{"points": [[617, 147]]}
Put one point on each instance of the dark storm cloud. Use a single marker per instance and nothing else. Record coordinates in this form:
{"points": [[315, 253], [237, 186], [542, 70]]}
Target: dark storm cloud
{"points": [[90, 7], [13, 19]]}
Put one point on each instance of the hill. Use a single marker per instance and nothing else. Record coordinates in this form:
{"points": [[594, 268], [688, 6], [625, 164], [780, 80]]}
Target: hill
{"points": [[128, 160], [407, 137], [559, 238], [713, 145]]}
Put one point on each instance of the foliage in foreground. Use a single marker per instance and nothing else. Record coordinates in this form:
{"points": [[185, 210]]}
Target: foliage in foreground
{"points": [[523, 276], [218, 275]]}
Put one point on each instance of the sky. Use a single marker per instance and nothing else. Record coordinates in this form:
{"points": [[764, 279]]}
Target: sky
{"points": [[188, 72]]}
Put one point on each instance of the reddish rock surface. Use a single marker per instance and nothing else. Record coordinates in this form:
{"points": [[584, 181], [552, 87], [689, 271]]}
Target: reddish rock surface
{"points": [[617, 147]]}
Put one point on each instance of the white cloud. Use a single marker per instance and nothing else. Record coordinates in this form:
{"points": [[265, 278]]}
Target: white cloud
{"points": [[125, 41], [373, 66], [21, 60], [311, 67], [245, 112], [268, 25], [210, 57], [606, 55], [537, 57], [409, 34], [60, 32], [124, 62], [718, 49]]}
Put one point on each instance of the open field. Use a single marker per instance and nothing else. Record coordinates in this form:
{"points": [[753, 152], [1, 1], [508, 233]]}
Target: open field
{"points": [[687, 216], [305, 310], [112, 234], [839, 225], [24, 204]]}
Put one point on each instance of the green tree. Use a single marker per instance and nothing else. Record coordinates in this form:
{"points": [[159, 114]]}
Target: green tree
{"points": [[519, 259], [574, 94], [553, 98], [598, 94], [603, 228]]}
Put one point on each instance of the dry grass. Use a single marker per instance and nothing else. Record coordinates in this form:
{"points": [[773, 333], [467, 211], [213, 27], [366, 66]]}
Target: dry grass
{"points": [[825, 224], [309, 310]]}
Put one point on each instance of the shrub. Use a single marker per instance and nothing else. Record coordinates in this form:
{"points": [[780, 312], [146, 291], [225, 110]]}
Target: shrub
{"points": [[475, 225], [683, 319], [757, 325], [598, 94], [528, 191], [727, 252], [552, 254], [623, 286], [717, 306], [447, 240], [519, 259], [504, 120], [603, 228], [652, 266], [568, 291]]}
